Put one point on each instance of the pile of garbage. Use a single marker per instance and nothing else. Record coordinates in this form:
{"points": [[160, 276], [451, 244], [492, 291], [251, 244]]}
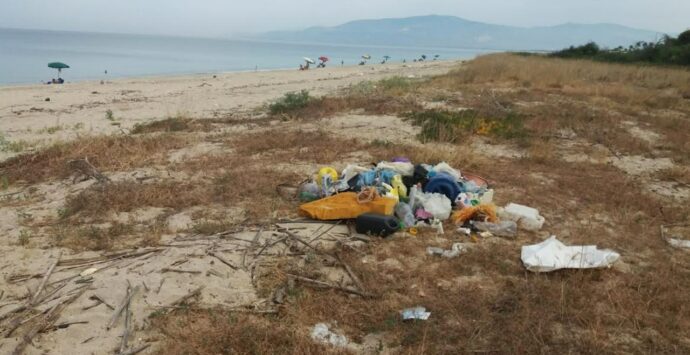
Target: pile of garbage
{"points": [[399, 195]]}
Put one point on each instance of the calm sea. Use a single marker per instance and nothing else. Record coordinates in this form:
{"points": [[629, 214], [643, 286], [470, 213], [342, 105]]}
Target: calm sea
{"points": [[24, 55]]}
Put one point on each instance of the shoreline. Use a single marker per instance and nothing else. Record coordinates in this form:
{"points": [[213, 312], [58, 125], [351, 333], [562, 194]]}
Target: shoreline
{"points": [[4, 86], [36, 115]]}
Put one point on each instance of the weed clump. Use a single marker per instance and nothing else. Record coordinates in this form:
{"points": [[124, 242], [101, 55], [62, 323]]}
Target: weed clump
{"points": [[290, 102]]}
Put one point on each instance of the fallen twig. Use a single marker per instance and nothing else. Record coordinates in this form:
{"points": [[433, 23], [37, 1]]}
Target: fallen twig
{"points": [[353, 276], [50, 317], [184, 298], [164, 270], [254, 241], [135, 350], [125, 332], [45, 279], [222, 260], [121, 307], [335, 287]]}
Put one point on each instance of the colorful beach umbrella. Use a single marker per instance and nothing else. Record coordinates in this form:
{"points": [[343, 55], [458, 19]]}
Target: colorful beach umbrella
{"points": [[59, 66], [323, 59], [366, 57]]}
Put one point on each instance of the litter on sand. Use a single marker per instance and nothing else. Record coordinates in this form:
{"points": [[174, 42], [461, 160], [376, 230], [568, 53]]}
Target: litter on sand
{"points": [[398, 195], [418, 313], [673, 234], [551, 255], [456, 250], [322, 334]]}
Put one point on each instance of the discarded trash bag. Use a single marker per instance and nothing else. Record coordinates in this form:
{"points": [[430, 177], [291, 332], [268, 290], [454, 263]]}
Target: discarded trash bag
{"points": [[501, 229], [376, 224], [345, 206], [444, 168], [456, 249], [415, 313], [551, 255], [322, 334], [401, 168], [443, 184], [437, 205], [487, 211], [527, 217]]}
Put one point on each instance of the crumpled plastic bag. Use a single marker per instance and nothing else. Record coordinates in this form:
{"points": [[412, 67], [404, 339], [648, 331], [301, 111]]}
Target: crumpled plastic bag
{"points": [[345, 206], [400, 168], [437, 205], [322, 334], [551, 255]]}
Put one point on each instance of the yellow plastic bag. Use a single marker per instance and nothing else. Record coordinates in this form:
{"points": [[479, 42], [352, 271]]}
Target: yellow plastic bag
{"points": [[345, 206]]}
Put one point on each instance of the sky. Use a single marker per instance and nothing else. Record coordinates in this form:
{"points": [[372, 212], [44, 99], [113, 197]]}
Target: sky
{"points": [[223, 18]]}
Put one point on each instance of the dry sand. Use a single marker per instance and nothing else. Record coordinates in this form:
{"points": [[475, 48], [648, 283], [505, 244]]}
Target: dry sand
{"points": [[78, 109]]}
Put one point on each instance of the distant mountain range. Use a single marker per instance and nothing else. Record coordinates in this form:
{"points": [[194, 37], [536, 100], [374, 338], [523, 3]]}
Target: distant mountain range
{"points": [[455, 32]]}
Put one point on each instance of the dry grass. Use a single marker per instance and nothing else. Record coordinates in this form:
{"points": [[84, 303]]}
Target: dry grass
{"points": [[213, 332], [107, 153], [174, 124]]}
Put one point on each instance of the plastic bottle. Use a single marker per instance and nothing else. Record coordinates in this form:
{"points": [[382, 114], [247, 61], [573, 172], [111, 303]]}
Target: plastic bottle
{"points": [[404, 212], [376, 224]]}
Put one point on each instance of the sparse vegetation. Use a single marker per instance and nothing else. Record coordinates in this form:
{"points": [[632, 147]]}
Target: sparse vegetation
{"points": [[291, 102], [453, 127], [109, 115]]}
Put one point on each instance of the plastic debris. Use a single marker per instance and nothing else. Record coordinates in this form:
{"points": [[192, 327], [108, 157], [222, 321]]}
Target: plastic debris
{"points": [[551, 255], [481, 212], [674, 237], [345, 206], [501, 229], [527, 217], [404, 212], [444, 168], [443, 184], [89, 271], [402, 168], [419, 313], [376, 224], [322, 334], [437, 205], [455, 251]]}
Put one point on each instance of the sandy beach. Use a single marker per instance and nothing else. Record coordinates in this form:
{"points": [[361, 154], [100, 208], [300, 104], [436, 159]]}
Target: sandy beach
{"points": [[77, 109]]}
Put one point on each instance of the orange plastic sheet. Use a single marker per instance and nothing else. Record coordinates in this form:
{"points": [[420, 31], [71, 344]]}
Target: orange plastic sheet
{"points": [[345, 206], [467, 213]]}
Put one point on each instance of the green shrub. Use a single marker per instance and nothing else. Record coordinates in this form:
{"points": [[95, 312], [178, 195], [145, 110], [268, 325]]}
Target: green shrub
{"points": [[290, 102]]}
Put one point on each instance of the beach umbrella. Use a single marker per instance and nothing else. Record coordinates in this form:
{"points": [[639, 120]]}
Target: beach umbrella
{"points": [[386, 57], [323, 59], [424, 56], [59, 66], [309, 60], [366, 57]]}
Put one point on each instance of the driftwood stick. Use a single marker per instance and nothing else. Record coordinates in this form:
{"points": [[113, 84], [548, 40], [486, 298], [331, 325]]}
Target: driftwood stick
{"points": [[294, 237], [324, 232], [254, 242], [50, 317], [166, 269], [184, 298], [222, 260], [121, 307], [101, 300], [135, 350], [160, 286], [64, 325], [45, 279], [125, 332], [353, 276], [335, 287]]}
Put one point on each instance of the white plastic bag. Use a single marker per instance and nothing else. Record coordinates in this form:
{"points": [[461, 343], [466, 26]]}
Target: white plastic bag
{"points": [[443, 167], [437, 204], [551, 255], [402, 168], [526, 217]]}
